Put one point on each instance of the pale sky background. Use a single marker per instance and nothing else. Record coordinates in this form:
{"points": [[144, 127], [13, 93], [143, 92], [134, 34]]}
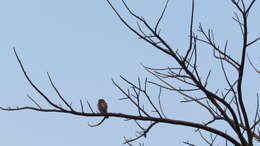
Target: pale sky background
{"points": [[83, 45]]}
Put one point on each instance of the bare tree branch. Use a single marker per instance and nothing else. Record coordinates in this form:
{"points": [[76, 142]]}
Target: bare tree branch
{"points": [[185, 78]]}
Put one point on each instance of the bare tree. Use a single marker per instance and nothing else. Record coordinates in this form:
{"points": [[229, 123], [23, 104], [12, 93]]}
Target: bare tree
{"points": [[226, 106]]}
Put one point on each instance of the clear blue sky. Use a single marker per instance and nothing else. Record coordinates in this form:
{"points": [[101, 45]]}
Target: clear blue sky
{"points": [[83, 45]]}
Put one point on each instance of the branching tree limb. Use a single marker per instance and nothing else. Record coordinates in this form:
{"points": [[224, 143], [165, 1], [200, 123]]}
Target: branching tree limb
{"points": [[226, 106]]}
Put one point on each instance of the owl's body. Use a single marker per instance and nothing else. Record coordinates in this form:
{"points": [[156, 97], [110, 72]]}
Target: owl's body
{"points": [[102, 106]]}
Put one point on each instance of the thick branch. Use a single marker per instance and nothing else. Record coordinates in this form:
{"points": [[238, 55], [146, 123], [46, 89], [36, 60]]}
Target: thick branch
{"points": [[120, 115]]}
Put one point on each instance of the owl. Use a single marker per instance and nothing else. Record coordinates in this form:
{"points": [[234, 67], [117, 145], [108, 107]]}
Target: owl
{"points": [[102, 106]]}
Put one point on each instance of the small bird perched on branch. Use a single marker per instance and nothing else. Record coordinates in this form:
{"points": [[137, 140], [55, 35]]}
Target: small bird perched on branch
{"points": [[102, 106]]}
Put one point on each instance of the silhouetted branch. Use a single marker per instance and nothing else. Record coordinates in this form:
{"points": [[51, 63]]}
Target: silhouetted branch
{"points": [[185, 78], [143, 134]]}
